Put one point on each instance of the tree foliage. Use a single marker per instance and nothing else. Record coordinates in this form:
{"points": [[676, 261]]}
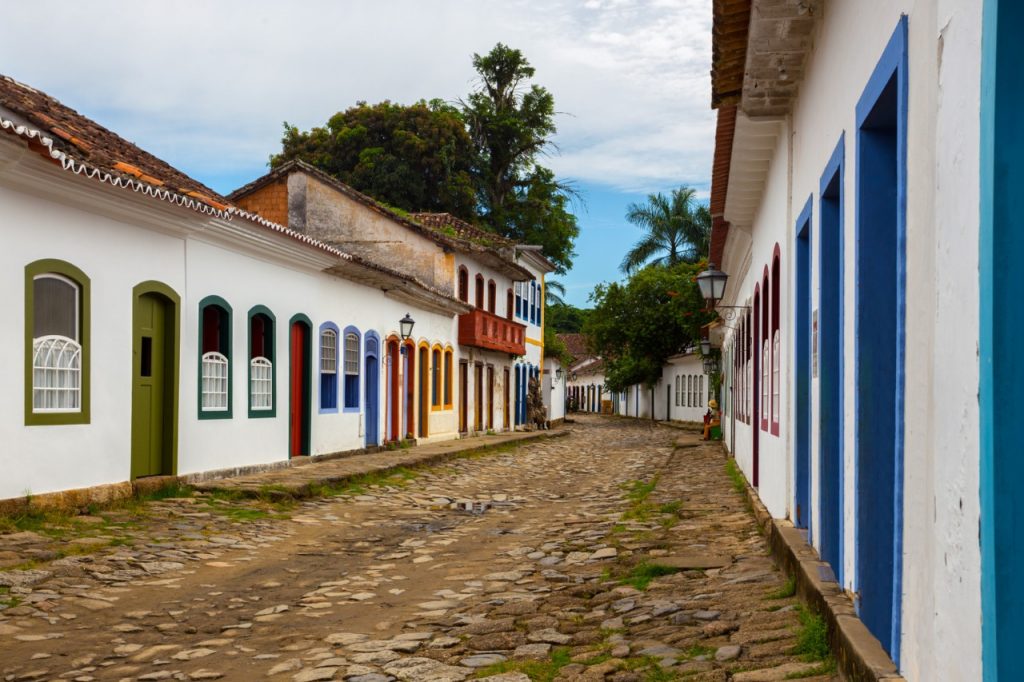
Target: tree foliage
{"points": [[638, 324], [511, 124], [676, 229], [564, 318], [477, 161], [417, 158]]}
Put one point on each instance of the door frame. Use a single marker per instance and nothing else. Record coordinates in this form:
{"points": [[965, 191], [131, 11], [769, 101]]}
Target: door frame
{"points": [[423, 393], [802, 371], [393, 389], [463, 396], [171, 383], [307, 406], [371, 402]]}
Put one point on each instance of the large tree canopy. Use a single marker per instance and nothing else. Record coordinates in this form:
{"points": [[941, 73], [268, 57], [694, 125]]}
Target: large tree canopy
{"points": [[477, 161], [676, 229], [417, 158], [511, 125], [637, 325]]}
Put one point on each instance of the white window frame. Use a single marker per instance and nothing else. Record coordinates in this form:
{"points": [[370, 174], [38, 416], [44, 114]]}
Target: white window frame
{"points": [[328, 361], [351, 345], [56, 375], [261, 384], [765, 377], [776, 352], [213, 380]]}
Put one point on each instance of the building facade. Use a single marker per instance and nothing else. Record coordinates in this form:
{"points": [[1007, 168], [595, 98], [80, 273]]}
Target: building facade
{"points": [[845, 199], [162, 329]]}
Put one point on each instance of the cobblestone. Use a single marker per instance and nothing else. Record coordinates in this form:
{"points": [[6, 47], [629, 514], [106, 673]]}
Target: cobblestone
{"points": [[576, 571]]}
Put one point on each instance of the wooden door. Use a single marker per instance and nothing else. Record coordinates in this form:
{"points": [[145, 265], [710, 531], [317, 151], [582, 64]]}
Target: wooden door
{"points": [[409, 377], [424, 392], [152, 386], [299, 393], [393, 392], [478, 397], [463, 397], [372, 393], [505, 402], [490, 397]]}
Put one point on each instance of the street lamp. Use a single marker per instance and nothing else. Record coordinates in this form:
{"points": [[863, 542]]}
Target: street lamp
{"points": [[405, 325], [558, 373], [705, 347], [712, 284]]}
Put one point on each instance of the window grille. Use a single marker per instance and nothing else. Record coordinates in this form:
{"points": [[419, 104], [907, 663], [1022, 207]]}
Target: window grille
{"points": [[328, 352], [775, 378], [351, 354], [262, 384], [765, 364], [215, 382], [56, 375]]}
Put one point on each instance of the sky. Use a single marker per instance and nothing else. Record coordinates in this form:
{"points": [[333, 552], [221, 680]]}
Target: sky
{"points": [[206, 85]]}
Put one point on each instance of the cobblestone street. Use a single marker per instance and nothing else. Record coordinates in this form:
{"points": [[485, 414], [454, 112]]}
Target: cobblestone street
{"points": [[620, 552]]}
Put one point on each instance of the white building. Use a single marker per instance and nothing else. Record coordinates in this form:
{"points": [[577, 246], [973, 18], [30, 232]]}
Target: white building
{"points": [[156, 328], [845, 198]]}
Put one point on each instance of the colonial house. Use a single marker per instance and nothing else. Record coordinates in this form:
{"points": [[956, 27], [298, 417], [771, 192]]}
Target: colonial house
{"points": [[156, 327], [861, 148]]}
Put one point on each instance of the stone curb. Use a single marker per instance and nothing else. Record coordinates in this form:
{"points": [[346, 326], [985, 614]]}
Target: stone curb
{"points": [[859, 655], [78, 499], [318, 472]]}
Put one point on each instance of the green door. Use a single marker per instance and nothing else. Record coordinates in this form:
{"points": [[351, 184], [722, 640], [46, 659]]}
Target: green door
{"points": [[151, 404]]}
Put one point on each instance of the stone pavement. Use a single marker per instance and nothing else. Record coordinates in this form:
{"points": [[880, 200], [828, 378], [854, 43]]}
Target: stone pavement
{"points": [[296, 480], [620, 552]]}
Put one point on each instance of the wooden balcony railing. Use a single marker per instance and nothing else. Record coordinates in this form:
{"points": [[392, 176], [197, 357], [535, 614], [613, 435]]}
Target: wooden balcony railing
{"points": [[482, 329]]}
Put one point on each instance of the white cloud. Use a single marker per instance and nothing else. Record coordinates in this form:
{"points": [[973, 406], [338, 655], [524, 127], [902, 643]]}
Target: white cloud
{"points": [[207, 85]]}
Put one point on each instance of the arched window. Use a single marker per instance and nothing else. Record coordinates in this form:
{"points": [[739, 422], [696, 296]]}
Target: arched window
{"points": [[448, 364], [351, 367], [700, 392], [677, 390], [765, 353], [508, 305], [261, 362], [492, 294], [436, 378], [215, 362], [328, 367], [776, 341], [689, 394], [57, 344], [463, 284], [479, 291]]}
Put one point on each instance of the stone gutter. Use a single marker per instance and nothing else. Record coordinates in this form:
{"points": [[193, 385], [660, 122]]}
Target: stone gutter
{"points": [[858, 653]]}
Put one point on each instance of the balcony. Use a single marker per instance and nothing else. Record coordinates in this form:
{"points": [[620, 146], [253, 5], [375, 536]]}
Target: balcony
{"points": [[482, 329]]}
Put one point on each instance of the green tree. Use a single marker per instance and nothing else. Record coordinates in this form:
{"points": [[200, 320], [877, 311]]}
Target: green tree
{"points": [[417, 158], [563, 317], [638, 324], [511, 124], [676, 229]]}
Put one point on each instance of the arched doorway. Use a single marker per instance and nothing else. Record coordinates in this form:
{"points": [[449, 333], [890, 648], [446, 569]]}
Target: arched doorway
{"points": [[424, 391], [372, 389], [393, 389], [299, 386], [409, 389], [155, 343]]}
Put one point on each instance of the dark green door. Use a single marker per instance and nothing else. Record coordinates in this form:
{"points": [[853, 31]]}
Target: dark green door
{"points": [[151, 404]]}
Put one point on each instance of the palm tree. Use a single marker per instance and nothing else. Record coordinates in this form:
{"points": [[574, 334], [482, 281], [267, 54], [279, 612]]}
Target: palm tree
{"points": [[678, 229], [554, 292]]}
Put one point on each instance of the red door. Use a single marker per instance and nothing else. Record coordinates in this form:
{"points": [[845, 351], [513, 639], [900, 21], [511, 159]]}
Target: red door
{"points": [[298, 415]]}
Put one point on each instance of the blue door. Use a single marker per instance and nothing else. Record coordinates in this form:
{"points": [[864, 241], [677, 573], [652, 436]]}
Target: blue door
{"points": [[802, 365], [372, 391], [879, 333], [831, 272], [1002, 328]]}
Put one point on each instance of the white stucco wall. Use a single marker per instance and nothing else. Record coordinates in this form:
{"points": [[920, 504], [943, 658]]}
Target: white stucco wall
{"points": [[941, 587]]}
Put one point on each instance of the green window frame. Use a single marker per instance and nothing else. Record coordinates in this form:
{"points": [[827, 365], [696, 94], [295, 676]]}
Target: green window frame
{"points": [[227, 348], [79, 278], [262, 413]]}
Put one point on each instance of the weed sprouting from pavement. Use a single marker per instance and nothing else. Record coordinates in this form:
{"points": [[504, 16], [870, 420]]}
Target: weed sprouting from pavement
{"points": [[642, 574], [787, 590], [812, 639]]}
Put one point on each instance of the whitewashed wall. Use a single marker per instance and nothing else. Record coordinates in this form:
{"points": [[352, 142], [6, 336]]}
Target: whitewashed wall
{"points": [[117, 254], [941, 603]]}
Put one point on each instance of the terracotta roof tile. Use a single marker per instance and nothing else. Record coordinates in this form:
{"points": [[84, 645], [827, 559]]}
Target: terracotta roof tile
{"points": [[730, 25], [99, 147]]}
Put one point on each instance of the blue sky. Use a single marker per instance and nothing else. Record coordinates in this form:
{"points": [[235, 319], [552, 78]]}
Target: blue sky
{"points": [[206, 86]]}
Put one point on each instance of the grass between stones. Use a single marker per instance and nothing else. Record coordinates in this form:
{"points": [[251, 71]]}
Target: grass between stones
{"points": [[8, 600], [787, 590], [539, 671], [641, 575], [812, 644]]}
